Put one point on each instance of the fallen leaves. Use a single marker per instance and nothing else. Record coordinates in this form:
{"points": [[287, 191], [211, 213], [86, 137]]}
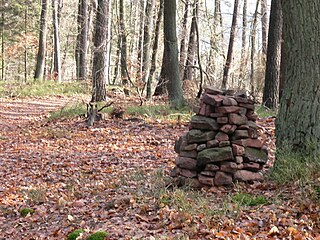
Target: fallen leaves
{"points": [[105, 177]]}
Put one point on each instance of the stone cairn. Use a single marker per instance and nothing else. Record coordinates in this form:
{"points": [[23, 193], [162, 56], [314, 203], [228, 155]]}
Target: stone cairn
{"points": [[222, 145]]}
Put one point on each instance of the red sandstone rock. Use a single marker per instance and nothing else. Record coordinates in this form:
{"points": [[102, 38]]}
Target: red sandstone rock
{"points": [[222, 120], [228, 129], [212, 143], [229, 167], [239, 134], [245, 175], [227, 101], [247, 105], [216, 115], [237, 119], [251, 115], [222, 178], [188, 154], [211, 167], [255, 143], [228, 109], [224, 143], [239, 159], [187, 173], [255, 167], [213, 100], [238, 150], [206, 180], [185, 162], [208, 173], [222, 136]]}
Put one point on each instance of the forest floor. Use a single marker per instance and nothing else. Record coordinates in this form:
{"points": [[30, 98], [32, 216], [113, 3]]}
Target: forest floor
{"points": [[113, 177]]}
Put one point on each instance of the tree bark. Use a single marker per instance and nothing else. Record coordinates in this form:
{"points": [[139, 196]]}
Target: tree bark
{"points": [[148, 25], [298, 123], [56, 40], [82, 40], [272, 76], [243, 58], [264, 26], [99, 69], [154, 50], [41, 56], [123, 60], [183, 37], [230, 48], [171, 53], [188, 69], [140, 41]]}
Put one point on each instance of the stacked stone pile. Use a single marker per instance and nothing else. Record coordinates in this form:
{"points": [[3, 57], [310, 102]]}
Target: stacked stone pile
{"points": [[222, 145]]}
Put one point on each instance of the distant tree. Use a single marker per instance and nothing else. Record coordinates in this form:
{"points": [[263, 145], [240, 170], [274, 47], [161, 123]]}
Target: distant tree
{"points": [[82, 40], [171, 62], [231, 43], [56, 6], [99, 67], [298, 124], [264, 25], [41, 56], [123, 49], [272, 76], [183, 37], [154, 49]]}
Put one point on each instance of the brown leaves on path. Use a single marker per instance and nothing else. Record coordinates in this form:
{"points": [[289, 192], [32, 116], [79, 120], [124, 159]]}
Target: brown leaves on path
{"points": [[103, 178]]}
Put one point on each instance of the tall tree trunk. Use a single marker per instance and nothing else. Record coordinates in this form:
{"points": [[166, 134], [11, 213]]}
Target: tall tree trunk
{"points": [[264, 26], [154, 50], [231, 43], [272, 77], [189, 66], [82, 40], [171, 53], [253, 49], [298, 123], [183, 37], [123, 60], [99, 70], [56, 40], [146, 39], [243, 58], [140, 41], [41, 56]]}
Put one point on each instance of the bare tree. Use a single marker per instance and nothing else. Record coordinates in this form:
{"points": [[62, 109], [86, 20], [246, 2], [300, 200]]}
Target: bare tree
{"points": [[56, 6], [264, 25], [231, 43], [123, 60], [41, 56]]}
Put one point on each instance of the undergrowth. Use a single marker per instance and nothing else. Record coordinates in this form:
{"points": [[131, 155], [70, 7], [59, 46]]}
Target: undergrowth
{"points": [[264, 112], [42, 88]]}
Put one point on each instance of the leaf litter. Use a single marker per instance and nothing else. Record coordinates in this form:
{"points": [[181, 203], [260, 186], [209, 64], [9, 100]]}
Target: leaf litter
{"points": [[109, 177]]}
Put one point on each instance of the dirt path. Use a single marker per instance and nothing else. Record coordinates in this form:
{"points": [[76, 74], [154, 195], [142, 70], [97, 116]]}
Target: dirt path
{"points": [[20, 112]]}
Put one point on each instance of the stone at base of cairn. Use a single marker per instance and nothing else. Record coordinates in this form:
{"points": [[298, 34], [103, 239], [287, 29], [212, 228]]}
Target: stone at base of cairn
{"points": [[222, 145]]}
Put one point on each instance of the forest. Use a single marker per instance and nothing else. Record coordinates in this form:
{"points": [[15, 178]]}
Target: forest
{"points": [[159, 119]]}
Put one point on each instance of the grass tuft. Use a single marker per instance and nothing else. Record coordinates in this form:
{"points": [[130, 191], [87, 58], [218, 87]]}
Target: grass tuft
{"points": [[245, 199], [75, 234], [26, 211], [264, 112], [100, 235], [68, 111]]}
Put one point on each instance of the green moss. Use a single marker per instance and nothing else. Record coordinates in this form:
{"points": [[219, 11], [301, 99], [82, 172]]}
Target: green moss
{"points": [[246, 199], [100, 235], [25, 211], [75, 234]]}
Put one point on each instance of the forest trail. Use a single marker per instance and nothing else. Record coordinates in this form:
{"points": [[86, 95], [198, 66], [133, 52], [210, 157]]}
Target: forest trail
{"points": [[20, 112]]}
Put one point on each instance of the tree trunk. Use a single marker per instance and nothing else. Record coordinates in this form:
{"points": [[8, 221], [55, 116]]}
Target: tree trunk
{"points": [[154, 50], [230, 48], [123, 60], [183, 37], [272, 77], [171, 53], [264, 26], [140, 41], [253, 49], [243, 58], [2, 46], [298, 123], [41, 56], [146, 39], [56, 40], [99, 70], [82, 40], [189, 66]]}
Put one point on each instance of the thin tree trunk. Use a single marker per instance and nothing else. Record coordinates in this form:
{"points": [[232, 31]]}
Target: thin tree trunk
{"points": [[123, 60], [41, 56], [99, 70], [189, 66], [183, 37], [56, 40], [243, 58], [272, 77], [253, 50], [82, 40], [230, 48], [154, 50], [140, 41], [264, 26], [2, 46], [146, 39]]}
